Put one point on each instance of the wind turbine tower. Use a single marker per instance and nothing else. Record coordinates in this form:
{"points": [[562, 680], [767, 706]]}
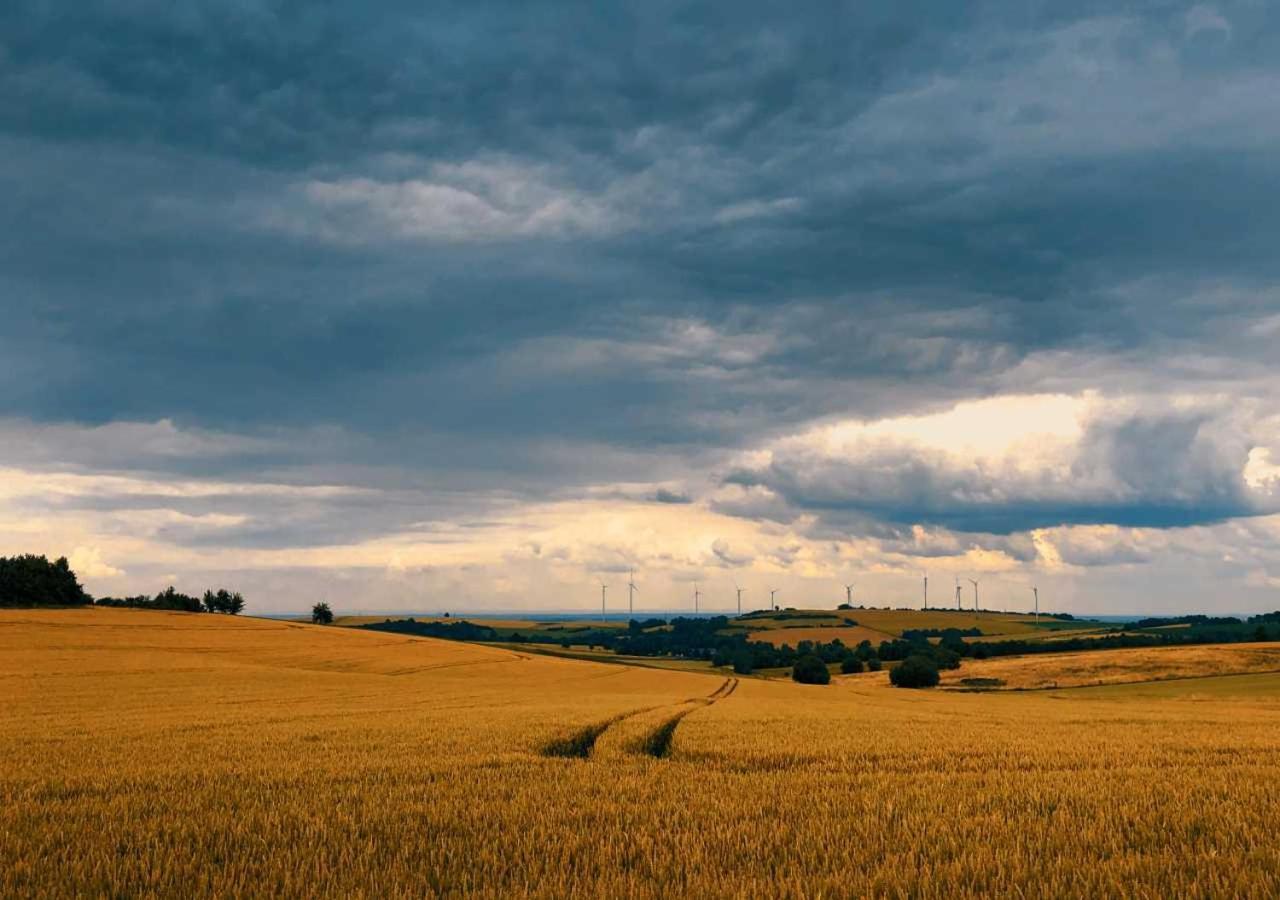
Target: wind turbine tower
{"points": [[772, 603], [848, 594], [696, 594], [603, 589], [957, 594], [631, 594], [739, 590], [926, 592], [976, 608], [1036, 591]]}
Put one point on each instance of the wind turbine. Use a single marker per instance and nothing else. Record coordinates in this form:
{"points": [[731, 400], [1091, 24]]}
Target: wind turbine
{"points": [[957, 593], [631, 594], [976, 608], [772, 604], [603, 588], [926, 591], [739, 590], [1035, 590], [848, 594], [696, 594]]}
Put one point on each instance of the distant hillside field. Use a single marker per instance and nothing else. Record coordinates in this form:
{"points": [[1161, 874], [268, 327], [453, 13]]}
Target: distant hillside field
{"points": [[151, 754], [851, 636], [492, 623], [1093, 667], [792, 626], [891, 623]]}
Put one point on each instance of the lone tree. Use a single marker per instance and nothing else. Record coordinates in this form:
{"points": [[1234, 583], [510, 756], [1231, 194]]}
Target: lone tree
{"points": [[810, 670], [915, 672], [321, 614]]}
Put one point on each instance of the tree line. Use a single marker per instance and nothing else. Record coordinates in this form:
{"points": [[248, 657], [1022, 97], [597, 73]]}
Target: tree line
{"points": [[30, 580], [219, 601]]}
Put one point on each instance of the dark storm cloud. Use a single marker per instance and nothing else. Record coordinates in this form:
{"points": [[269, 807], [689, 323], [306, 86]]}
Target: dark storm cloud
{"points": [[547, 245]]}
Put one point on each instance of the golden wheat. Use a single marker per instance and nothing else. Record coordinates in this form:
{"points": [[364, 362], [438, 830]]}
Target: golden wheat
{"points": [[152, 754]]}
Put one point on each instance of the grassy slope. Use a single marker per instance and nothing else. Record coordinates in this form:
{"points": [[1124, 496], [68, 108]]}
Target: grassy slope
{"points": [[152, 753]]}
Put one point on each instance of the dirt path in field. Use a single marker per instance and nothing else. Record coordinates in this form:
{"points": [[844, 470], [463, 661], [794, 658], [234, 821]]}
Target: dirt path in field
{"points": [[642, 732]]}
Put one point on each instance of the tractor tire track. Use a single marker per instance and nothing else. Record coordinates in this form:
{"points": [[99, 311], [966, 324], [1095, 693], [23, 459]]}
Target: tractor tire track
{"points": [[582, 742], [658, 742]]}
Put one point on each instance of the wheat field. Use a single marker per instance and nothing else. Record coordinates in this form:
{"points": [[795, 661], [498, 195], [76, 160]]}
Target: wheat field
{"points": [[154, 754]]}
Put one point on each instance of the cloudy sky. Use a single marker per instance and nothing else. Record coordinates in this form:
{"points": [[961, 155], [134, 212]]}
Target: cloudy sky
{"points": [[402, 307]]}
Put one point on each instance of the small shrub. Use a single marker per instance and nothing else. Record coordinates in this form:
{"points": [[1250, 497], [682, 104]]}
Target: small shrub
{"points": [[982, 682], [915, 672], [851, 665]]}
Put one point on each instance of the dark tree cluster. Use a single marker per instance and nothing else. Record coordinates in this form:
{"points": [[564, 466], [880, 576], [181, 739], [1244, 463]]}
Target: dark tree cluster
{"points": [[703, 639], [916, 671], [946, 651], [321, 614], [1197, 619], [684, 638], [223, 601], [454, 631], [31, 580], [809, 669]]}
